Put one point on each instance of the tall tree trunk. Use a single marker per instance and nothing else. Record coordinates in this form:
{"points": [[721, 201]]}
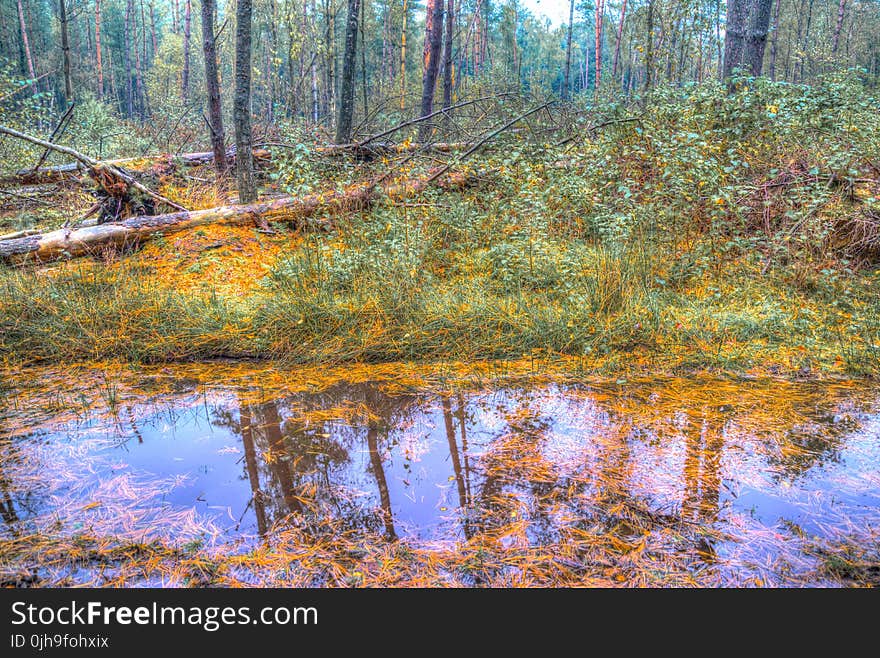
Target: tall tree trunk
{"points": [[143, 33], [25, 42], [100, 68], [804, 47], [774, 42], [756, 38], [65, 52], [431, 58], [184, 76], [403, 58], [126, 59], [619, 39], [244, 160], [566, 76], [141, 94], [841, 11], [349, 65], [364, 60], [734, 35], [600, 20], [448, 70], [649, 47], [153, 37], [212, 85]]}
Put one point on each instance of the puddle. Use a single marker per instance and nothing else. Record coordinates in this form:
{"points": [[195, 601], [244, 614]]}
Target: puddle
{"points": [[712, 481]]}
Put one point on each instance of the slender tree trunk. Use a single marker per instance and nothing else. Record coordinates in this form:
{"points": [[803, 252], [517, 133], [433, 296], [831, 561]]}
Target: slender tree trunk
{"points": [[212, 84], [756, 38], [719, 59], [126, 59], [329, 61], [734, 35], [141, 94], [619, 39], [433, 41], [774, 42], [25, 42], [65, 52], [244, 162], [153, 36], [184, 76], [673, 44], [364, 60], [403, 58], [649, 47], [841, 11], [143, 33], [100, 68], [566, 76], [448, 70], [600, 20], [804, 48], [349, 65]]}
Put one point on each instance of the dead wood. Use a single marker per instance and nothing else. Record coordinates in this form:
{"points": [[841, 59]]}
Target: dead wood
{"points": [[69, 243]]}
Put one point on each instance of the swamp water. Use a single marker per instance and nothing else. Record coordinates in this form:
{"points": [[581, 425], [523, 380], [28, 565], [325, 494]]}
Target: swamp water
{"points": [[145, 477]]}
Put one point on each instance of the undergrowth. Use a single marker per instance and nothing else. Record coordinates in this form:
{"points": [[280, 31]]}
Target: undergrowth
{"points": [[713, 231]]}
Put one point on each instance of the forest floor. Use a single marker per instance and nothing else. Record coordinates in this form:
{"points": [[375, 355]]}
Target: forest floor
{"points": [[712, 232], [704, 232]]}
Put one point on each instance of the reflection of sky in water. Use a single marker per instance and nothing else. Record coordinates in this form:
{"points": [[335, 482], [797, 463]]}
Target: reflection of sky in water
{"points": [[418, 466]]}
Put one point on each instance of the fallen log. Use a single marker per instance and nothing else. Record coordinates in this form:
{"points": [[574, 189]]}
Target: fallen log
{"points": [[82, 241], [115, 181], [74, 171]]}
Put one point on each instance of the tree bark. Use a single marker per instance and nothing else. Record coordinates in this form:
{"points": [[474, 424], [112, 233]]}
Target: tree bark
{"points": [[212, 84], [126, 51], [65, 52], [25, 42], [349, 60], [600, 19], [139, 62], [447, 55], [431, 58], [403, 58], [756, 38], [566, 75], [841, 12], [619, 39], [244, 164], [734, 35], [153, 37], [70, 243], [184, 76], [774, 42], [649, 47], [100, 68]]}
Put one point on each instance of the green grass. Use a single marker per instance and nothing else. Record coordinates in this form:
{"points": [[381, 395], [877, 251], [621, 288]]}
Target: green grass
{"points": [[648, 245]]}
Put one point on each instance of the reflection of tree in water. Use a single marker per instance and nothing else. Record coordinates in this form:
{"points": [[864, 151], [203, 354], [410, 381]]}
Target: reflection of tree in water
{"points": [[820, 438], [300, 469], [516, 472], [17, 504], [299, 449]]}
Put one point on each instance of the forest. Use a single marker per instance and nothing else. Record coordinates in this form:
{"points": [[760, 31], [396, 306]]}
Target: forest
{"points": [[605, 234]]}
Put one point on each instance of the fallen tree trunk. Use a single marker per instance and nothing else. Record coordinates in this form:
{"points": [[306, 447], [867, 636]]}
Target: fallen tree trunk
{"points": [[115, 182], [73, 172], [70, 243]]}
